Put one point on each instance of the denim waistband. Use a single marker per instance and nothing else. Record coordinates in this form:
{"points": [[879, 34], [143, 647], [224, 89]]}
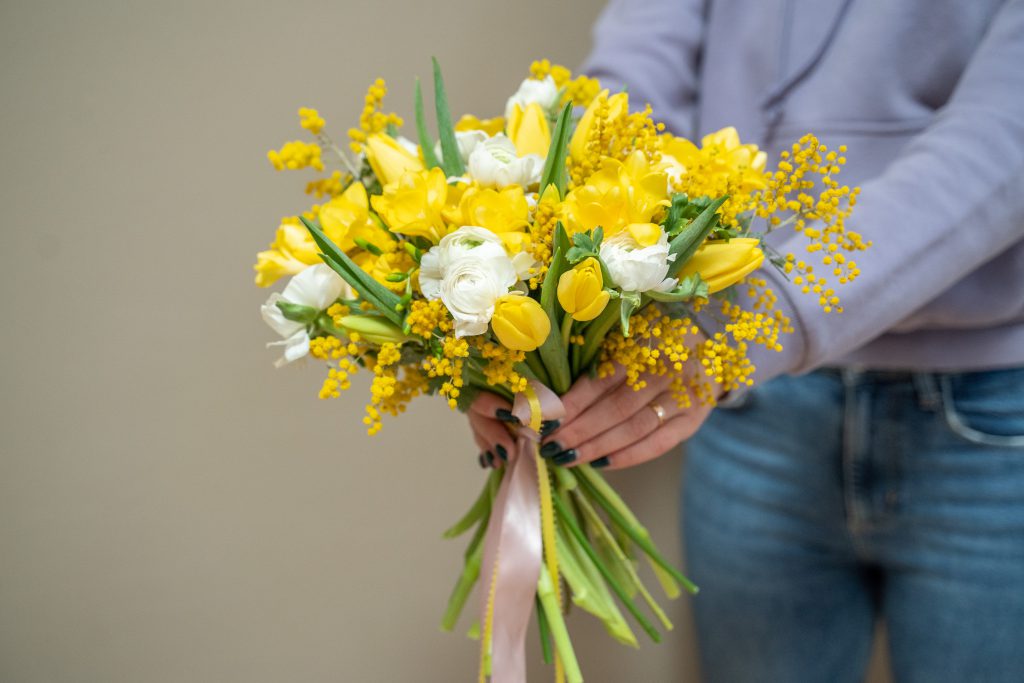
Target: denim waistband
{"points": [[868, 376]]}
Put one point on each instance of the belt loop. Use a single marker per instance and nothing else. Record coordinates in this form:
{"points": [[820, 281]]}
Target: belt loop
{"points": [[927, 386], [852, 376]]}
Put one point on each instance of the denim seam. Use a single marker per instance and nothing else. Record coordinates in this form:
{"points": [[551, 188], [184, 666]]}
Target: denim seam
{"points": [[963, 430]]}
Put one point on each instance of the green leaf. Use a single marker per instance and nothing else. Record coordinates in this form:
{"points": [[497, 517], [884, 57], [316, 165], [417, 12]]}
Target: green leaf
{"points": [[690, 287], [297, 312], [452, 162], [426, 144], [595, 334], [577, 254], [630, 302], [689, 239], [381, 297], [552, 351], [554, 165]]}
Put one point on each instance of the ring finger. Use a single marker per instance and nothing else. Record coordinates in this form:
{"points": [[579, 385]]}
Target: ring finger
{"points": [[643, 423]]}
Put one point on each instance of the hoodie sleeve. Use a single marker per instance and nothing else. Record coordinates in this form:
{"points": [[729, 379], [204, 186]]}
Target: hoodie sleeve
{"points": [[951, 202], [651, 48]]}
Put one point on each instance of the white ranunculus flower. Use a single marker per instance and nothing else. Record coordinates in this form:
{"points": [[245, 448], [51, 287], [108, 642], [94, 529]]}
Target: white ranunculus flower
{"points": [[467, 141], [638, 269], [494, 163], [468, 270], [316, 287], [543, 92]]}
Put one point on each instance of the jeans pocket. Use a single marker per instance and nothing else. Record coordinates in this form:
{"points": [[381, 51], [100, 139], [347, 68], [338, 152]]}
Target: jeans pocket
{"points": [[985, 408]]}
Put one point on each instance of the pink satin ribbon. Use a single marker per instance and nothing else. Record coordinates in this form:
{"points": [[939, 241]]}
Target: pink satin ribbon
{"points": [[513, 550]]}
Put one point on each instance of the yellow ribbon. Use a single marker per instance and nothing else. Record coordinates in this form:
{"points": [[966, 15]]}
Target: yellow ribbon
{"points": [[547, 515]]}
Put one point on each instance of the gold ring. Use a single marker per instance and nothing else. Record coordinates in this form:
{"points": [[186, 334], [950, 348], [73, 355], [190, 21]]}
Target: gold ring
{"points": [[658, 410]]}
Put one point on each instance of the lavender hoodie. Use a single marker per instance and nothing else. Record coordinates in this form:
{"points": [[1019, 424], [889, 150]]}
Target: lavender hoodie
{"points": [[928, 95]]}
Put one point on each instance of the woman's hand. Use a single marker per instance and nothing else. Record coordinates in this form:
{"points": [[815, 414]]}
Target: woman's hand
{"points": [[488, 415], [609, 424]]}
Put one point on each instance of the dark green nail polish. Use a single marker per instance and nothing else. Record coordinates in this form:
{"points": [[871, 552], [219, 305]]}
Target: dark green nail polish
{"points": [[551, 449], [502, 452], [565, 457], [600, 462], [506, 415], [480, 459], [490, 459], [548, 426]]}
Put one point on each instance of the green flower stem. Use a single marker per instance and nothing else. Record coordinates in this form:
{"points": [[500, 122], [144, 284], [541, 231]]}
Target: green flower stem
{"points": [[596, 333], [468, 578], [481, 508], [476, 378], [553, 612], [567, 322], [544, 630], [589, 591], [582, 540], [666, 578], [623, 518], [473, 556], [534, 362], [603, 534]]}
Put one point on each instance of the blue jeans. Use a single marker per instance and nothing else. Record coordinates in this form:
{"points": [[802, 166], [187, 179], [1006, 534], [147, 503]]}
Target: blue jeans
{"points": [[825, 502]]}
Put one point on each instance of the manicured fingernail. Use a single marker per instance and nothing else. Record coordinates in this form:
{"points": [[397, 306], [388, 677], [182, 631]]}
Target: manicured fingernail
{"points": [[482, 460], [502, 452], [600, 462], [550, 449], [505, 415], [490, 459], [565, 457], [548, 426]]}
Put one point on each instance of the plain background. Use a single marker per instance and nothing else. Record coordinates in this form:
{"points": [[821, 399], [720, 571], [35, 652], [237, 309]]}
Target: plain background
{"points": [[171, 507]]}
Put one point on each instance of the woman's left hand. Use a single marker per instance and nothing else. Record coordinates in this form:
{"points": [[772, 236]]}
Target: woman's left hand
{"points": [[609, 424]]}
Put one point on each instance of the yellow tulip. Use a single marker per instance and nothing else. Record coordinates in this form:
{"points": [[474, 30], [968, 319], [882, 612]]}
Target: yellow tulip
{"points": [[519, 322], [581, 291], [388, 159], [722, 263], [490, 126], [529, 131], [618, 105]]}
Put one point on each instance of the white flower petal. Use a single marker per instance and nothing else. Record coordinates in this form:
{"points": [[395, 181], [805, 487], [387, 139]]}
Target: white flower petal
{"points": [[317, 287], [544, 92], [295, 347], [273, 316]]}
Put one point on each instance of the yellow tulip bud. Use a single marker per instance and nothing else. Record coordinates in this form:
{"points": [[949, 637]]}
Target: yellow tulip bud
{"points": [[490, 126], [529, 131], [519, 322], [388, 159], [581, 291], [722, 263], [617, 106], [373, 329]]}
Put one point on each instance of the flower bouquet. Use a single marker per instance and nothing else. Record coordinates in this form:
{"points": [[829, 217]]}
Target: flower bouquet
{"points": [[515, 254]]}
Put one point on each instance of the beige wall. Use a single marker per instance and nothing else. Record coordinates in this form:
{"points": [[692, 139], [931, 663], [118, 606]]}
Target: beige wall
{"points": [[171, 507]]}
